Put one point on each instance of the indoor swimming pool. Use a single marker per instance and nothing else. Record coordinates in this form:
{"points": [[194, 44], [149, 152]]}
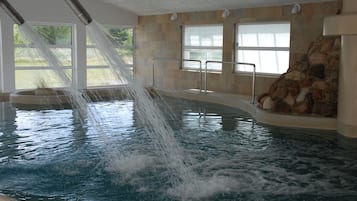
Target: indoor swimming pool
{"points": [[53, 154]]}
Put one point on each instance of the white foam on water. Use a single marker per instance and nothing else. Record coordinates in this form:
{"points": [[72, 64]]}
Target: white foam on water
{"points": [[129, 165], [203, 188]]}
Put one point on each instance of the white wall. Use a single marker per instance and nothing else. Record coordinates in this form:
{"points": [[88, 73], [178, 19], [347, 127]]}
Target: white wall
{"points": [[56, 11]]}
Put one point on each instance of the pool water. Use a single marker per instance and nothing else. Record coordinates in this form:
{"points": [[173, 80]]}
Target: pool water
{"points": [[51, 154]]}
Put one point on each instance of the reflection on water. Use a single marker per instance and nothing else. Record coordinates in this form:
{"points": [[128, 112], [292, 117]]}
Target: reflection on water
{"points": [[80, 129], [30, 134], [8, 137], [54, 155], [210, 116]]}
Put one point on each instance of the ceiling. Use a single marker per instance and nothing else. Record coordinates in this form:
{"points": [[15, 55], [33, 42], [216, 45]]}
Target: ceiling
{"points": [[155, 7]]}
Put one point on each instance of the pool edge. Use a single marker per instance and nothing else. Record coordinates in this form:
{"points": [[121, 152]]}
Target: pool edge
{"points": [[244, 103]]}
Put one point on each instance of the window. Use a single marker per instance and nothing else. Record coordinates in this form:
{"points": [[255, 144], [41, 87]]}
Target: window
{"points": [[31, 69], [98, 70], [266, 45], [203, 43]]}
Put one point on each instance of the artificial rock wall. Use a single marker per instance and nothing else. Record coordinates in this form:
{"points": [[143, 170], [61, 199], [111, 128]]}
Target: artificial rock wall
{"points": [[310, 87]]}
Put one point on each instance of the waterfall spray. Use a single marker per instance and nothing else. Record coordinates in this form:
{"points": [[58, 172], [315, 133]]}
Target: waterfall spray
{"points": [[150, 115], [186, 184]]}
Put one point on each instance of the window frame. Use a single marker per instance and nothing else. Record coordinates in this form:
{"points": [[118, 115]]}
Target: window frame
{"points": [[275, 49], [131, 67], [72, 47], [200, 48]]}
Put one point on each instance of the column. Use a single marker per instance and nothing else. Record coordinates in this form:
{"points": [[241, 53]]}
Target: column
{"points": [[80, 57], [7, 67], [344, 25]]}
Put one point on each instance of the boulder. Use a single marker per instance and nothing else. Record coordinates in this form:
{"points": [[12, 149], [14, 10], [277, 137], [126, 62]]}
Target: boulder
{"points": [[331, 76], [337, 44], [295, 75], [293, 88], [262, 98], [317, 70], [307, 82], [268, 103], [316, 95], [330, 96], [303, 92], [324, 109], [281, 106], [301, 108], [310, 85], [279, 93], [320, 85], [327, 44], [317, 58], [289, 99], [302, 65]]}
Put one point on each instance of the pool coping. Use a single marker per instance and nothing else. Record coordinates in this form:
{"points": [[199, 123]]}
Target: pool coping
{"points": [[244, 103]]}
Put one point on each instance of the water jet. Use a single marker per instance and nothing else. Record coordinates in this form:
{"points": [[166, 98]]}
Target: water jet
{"points": [[149, 113], [47, 96]]}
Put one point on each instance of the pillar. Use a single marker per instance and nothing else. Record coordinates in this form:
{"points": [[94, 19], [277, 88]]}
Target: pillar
{"points": [[344, 25]]}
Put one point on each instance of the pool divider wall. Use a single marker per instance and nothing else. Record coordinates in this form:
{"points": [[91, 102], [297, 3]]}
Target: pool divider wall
{"points": [[59, 95]]}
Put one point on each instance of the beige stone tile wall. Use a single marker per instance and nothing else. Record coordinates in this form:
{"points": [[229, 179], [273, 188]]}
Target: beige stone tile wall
{"points": [[158, 36]]}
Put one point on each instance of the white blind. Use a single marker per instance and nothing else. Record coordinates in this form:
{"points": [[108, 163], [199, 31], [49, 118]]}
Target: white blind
{"points": [[204, 36], [266, 45], [203, 43]]}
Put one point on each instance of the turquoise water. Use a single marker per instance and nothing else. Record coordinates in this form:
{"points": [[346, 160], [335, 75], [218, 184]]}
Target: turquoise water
{"points": [[51, 155]]}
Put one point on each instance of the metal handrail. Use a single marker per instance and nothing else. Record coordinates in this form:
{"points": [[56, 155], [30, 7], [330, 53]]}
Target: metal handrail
{"points": [[206, 71], [172, 59], [235, 63]]}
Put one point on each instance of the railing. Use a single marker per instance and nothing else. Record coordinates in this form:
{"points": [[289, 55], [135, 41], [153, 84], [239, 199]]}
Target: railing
{"points": [[206, 72], [179, 60], [235, 63]]}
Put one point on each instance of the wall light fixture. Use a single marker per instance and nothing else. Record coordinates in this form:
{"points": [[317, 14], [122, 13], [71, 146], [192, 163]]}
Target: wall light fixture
{"points": [[225, 13], [173, 17], [296, 9]]}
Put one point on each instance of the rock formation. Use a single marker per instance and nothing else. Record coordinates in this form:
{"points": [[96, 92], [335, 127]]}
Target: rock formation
{"points": [[310, 86]]}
